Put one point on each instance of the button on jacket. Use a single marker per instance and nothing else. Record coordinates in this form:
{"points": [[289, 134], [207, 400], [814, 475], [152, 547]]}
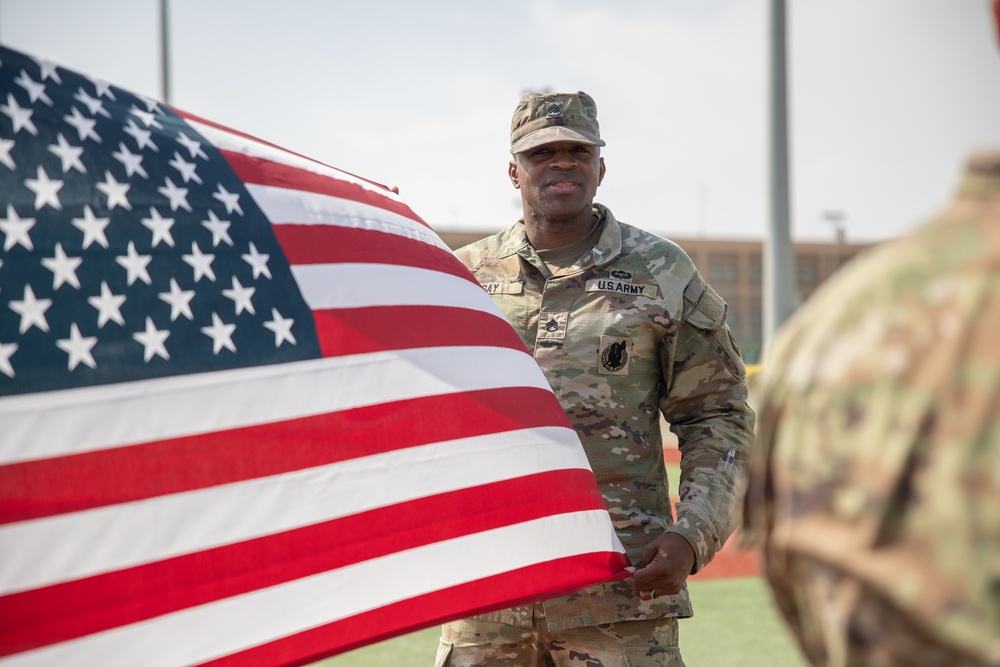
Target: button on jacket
{"points": [[630, 331]]}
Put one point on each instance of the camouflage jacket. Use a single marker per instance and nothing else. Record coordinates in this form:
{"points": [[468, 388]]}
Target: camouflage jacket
{"points": [[878, 450], [630, 331]]}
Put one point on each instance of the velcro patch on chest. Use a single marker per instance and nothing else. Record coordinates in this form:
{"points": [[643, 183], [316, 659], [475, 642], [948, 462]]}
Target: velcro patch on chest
{"points": [[552, 326], [504, 288], [614, 355], [620, 287]]}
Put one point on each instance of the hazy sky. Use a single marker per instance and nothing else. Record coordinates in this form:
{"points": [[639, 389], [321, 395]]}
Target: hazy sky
{"points": [[888, 97]]}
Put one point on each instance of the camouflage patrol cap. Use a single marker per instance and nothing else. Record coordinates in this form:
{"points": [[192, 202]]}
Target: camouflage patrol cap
{"points": [[542, 118]]}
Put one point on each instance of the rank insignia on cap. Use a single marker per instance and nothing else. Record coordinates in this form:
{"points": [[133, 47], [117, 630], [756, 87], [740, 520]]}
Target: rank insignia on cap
{"points": [[553, 110]]}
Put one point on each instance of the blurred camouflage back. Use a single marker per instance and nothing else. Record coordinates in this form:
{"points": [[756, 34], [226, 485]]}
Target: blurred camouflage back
{"points": [[875, 486]]}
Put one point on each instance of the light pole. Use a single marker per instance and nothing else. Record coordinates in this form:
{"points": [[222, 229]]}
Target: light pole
{"points": [[165, 49], [836, 219], [778, 276]]}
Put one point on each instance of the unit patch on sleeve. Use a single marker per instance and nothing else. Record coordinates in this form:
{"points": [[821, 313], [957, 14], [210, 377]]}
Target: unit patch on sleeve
{"points": [[620, 287], [613, 355]]}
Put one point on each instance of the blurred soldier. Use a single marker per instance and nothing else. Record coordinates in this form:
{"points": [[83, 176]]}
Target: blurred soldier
{"points": [[875, 485], [624, 328]]}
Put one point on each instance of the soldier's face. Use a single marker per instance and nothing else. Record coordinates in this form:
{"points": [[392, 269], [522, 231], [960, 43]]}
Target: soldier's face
{"points": [[558, 180]]}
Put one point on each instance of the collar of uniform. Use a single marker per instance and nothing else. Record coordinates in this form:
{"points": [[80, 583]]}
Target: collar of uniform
{"points": [[608, 246], [516, 242]]}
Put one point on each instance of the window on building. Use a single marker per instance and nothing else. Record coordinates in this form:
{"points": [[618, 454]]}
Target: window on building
{"points": [[756, 270], [756, 316], [722, 267], [807, 270]]}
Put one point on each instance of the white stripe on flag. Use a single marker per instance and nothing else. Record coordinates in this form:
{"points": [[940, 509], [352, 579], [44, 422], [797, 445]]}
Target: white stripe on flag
{"points": [[359, 285], [103, 417], [125, 535], [283, 206], [230, 625]]}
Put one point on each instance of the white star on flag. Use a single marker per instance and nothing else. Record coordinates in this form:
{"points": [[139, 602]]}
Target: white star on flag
{"points": [[135, 264], [92, 228], [63, 268], [35, 89], [179, 300], [68, 154], [153, 341], [193, 145], [131, 161], [186, 169], [143, 138], [49, 71], [221, 334], [46, 190], [84, 126], [32, 310], [6, 351], [282, 328], [116, 192], [231, 200], [5, 158], [160, 227], [148, 119], [176, 195], [108, 306], [16, 230], [19, 116], [240, 296], [104, 89], [78, 348], [257, 261], [219, 229], [200, 262], [93, 104]]}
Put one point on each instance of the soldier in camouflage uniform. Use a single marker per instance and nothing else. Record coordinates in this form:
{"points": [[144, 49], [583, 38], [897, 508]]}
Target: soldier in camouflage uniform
{"points": [[624, 328], [875, 485]]}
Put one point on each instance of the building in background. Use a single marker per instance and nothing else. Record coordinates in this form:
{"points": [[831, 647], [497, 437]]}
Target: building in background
{"points": [[734, 269]]}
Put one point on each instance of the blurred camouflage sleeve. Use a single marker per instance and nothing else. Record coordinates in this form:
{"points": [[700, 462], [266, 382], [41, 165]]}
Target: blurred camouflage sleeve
{"points": [[704, 399]]}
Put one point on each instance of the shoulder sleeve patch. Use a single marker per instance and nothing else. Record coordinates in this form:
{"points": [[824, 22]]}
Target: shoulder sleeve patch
{"points": [[710, 312]]}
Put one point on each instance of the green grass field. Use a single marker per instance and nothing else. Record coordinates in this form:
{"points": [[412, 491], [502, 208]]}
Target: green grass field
{"points": [[735, 623]]}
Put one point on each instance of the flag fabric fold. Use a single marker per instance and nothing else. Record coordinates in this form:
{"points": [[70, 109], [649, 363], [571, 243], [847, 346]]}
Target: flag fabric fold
{"points": [[252, 409]]}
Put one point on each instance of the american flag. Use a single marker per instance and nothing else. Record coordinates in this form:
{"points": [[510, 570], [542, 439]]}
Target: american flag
{"points": [[252, 409]]}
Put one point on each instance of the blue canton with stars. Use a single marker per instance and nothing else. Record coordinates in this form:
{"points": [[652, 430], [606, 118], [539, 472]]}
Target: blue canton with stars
{"points": [[130, 249]]}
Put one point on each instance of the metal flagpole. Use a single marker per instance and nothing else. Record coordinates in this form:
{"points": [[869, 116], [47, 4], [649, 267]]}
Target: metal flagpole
{"points": [[165, 50], [778, 275]]}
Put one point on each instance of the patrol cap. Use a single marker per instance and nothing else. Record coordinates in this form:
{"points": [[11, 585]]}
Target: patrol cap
{"points": [[543, 118]]}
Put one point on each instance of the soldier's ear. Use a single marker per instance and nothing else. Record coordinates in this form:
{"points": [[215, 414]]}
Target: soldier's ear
{"points": [[600, 176], [512, 172]]}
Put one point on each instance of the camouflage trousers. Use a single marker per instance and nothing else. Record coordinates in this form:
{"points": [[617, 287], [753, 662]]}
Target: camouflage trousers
{"points": [[646, 643], [840, 622]]}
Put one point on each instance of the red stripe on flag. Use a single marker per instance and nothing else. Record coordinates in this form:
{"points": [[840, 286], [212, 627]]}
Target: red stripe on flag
{"points": [[562, 576], [332, 244], [260, 171], [346, 331], [61, 612], [249, 137], [72, 483]]}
